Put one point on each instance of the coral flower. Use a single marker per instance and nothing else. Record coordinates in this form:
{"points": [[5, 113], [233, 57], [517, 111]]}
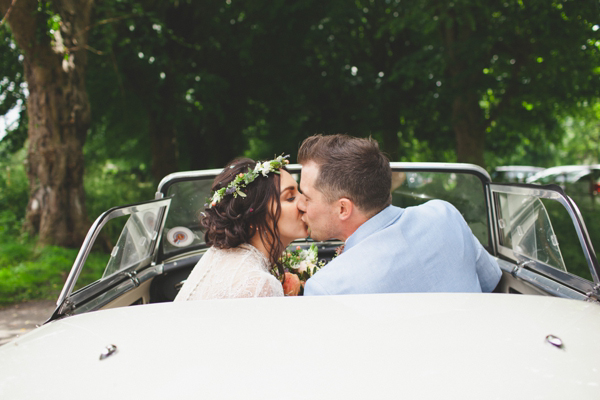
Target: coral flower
{"points": [[291, 284]]}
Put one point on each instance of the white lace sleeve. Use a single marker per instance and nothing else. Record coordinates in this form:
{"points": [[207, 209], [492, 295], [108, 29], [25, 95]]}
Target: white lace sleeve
{"points": [[260, 286], [239, 272]]}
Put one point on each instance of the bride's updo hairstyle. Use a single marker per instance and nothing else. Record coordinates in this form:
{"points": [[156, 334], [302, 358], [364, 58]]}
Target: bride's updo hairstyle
{"points": [[234, 220]]}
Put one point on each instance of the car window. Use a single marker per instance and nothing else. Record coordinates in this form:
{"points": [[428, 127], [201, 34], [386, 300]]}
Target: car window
{"points": [[122, 238], [465, 191], [182, 228], [134, 242], [525, 227], [540, 229], [568, 240]]}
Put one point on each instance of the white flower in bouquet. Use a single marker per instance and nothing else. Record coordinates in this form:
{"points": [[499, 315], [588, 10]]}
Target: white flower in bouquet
{"points": [[301, 262]]}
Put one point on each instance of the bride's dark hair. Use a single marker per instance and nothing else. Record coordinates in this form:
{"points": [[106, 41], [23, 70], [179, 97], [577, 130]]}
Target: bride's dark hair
{"points": [[234, 220]]}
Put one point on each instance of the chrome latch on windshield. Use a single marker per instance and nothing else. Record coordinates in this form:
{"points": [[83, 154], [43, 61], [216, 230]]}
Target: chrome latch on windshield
{"points": [[594, 294], [519, 266], [67, 308], [133, 277]]}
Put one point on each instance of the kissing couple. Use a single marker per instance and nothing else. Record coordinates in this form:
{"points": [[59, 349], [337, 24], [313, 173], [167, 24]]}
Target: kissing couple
{"points": [[257, 209]]}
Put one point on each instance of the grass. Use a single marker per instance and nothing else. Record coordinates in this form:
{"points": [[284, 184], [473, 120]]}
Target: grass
{"points": [[32, 273]]}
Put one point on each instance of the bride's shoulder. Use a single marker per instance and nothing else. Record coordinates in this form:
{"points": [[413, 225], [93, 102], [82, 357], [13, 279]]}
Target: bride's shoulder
{"points": [[243, 254], [252, 251]]}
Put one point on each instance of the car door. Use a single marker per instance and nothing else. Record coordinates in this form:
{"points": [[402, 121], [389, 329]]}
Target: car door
{"points": [[117, 255], [542, 240]]}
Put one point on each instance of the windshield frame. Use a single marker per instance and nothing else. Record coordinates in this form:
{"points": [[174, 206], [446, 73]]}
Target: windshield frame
{"points": [[551, 192]]}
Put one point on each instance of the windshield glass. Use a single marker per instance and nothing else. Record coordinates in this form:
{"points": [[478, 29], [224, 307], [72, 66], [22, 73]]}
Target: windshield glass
{"points": [[134, 243], [182, 228], [122, 238], [525, 228], [465, 191]]}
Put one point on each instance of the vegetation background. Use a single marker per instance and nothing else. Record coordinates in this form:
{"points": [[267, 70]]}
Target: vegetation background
{"points": [[114, 95]]}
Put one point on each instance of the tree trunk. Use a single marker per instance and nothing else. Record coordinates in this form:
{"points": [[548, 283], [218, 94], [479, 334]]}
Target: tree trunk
{"points": [[469, 134], [164, 150], [59, 116], [163, 131], [467, 116]]}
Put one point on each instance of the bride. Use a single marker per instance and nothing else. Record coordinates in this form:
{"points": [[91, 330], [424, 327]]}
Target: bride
{"points": [[251, 218]]}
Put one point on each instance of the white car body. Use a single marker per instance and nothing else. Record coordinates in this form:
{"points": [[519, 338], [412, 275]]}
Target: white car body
{"points": [[121, 337], [428, 346]]}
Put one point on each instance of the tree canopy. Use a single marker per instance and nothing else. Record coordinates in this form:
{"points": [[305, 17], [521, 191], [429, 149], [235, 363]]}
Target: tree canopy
{"points": [[181, 84]]}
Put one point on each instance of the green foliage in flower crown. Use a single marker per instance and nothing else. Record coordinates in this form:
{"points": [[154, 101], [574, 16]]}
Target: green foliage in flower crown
{"points": [[242, 180]]}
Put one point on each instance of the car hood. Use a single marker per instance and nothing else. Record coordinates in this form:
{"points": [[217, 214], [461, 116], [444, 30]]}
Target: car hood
{"points": [[428, 346]]}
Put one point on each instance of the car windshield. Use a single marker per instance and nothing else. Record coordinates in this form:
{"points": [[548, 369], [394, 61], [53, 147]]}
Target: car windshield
{"points": [[525, 228], [134, 243], [464, 190], [182, 228]]}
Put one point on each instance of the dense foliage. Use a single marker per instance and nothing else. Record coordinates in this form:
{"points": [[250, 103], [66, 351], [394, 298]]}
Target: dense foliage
{"points": [[202, 83], [180, 84]]}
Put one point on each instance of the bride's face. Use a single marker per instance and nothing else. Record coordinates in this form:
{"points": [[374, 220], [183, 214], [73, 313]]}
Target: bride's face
{"points": [[290, 223]]}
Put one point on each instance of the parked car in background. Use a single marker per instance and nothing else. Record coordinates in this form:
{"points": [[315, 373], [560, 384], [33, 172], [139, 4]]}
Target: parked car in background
{"points": [[123, 337], [514, 173], [576, 180]]}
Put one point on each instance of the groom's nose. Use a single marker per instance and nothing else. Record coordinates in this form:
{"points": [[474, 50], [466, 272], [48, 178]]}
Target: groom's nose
{"points": [[301, 203]]}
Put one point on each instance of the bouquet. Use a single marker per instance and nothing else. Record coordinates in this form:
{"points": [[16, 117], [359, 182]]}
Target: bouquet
{"points": [[299, 265]]}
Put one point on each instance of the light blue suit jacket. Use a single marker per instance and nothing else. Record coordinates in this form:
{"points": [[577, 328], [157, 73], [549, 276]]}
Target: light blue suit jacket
{"points": [[426, 248]]}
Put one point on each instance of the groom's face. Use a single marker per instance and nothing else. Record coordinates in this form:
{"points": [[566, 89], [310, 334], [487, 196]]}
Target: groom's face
{"points": [[319, 214]]}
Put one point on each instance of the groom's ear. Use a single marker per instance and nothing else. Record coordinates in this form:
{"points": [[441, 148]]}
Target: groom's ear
{"points": [[345, 208]]}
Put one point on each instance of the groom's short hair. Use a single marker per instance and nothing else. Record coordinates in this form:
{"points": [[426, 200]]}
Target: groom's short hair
{"points": [[350, 167]]}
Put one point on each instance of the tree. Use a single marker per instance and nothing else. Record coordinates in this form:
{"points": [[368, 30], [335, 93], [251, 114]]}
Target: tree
{"points": [[477, 75], [509, 70], [58, 113]]}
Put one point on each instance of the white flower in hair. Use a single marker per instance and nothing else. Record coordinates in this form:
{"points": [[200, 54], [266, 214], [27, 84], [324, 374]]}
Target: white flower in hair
{"points": [[266, 168], [236, 186]]}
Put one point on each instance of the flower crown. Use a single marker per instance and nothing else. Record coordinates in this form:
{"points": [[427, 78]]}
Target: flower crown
{"points": [[242, 180]]}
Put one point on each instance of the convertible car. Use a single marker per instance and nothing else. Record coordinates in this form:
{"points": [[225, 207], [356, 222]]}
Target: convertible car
{"points": [[121, 336]]}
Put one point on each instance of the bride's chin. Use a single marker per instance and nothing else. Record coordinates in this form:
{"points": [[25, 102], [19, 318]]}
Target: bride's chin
{"points": [[304, 233]]}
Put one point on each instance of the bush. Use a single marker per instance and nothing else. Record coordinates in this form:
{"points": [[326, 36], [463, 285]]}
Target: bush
{"points": [[14, 189], [114, 184]]}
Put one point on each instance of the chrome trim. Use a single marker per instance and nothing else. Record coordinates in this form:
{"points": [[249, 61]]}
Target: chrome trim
{"points": [[132, 275], [491, 219], [294, 168], [553, 193], [108, 351], [92, 234], [110, 295], [519, 266], [538, 281], [185, 175], [594, 294], [438, 166], [554, 341]]}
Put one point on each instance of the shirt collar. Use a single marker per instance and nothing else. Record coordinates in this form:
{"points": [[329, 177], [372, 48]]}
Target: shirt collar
{"points": [[382, 219]]}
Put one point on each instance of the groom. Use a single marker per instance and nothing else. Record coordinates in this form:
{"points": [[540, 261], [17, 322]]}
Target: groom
{"points": [[346, 185]]}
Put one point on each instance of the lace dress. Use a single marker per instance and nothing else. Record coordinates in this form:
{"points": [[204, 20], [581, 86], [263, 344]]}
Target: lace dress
{"points": [[239, 272]]}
